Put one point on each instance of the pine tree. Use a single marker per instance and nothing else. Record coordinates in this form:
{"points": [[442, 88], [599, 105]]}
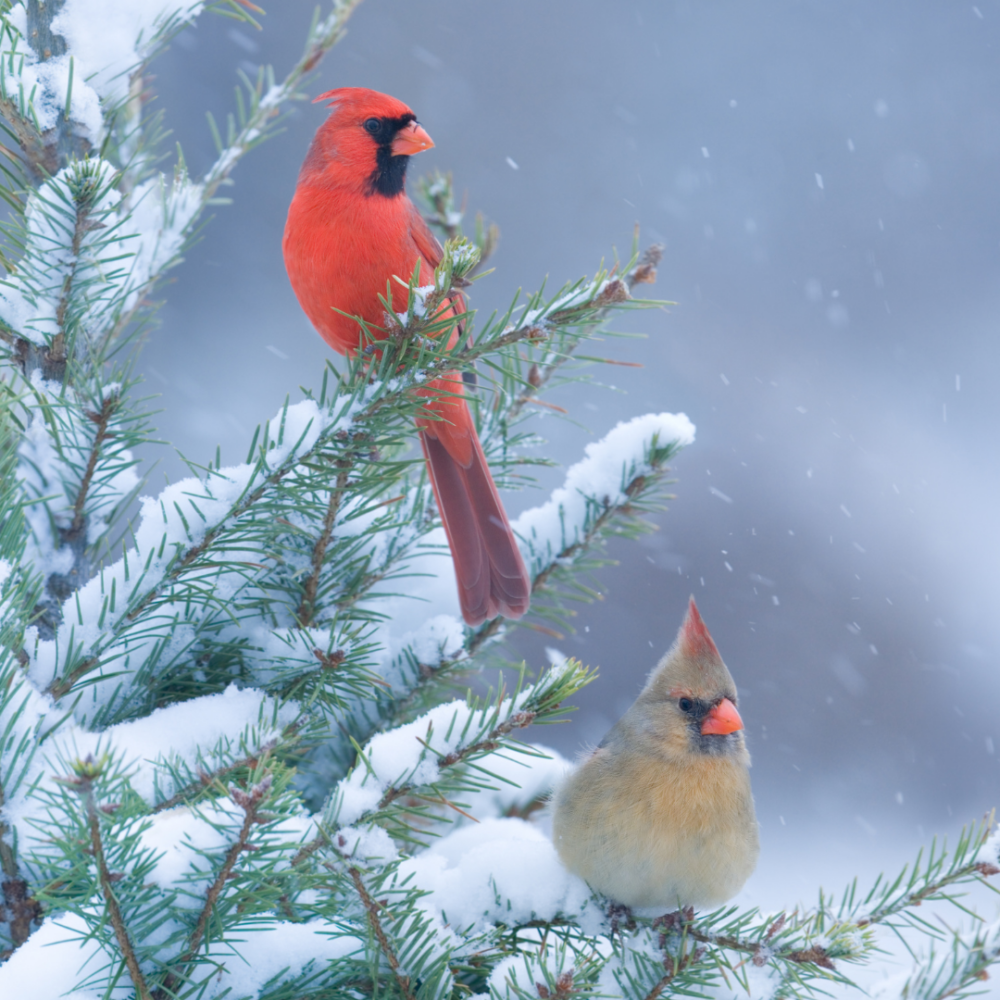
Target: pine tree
{"points": [[226, 739]]}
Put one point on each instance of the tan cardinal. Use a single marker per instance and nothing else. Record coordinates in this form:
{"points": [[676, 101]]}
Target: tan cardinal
{"points": [[661, 813]]}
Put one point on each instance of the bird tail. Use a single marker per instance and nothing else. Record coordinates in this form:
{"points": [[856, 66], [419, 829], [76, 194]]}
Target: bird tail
{"points": [[492, 578]]}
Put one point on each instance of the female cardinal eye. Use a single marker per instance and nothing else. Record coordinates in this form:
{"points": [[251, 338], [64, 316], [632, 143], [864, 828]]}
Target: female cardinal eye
{"points": [[685, 704], [372, 125]]}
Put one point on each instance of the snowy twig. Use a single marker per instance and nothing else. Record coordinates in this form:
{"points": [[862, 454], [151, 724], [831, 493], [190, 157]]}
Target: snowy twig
{"points": [[307, 608], [371, 911], [214, 778], [323, 35], [643, 272], [519, 720], [83, 783], [250, 803], [438, 192]]}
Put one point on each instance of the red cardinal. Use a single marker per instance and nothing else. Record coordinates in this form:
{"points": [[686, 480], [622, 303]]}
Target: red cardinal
{"points": [[350, 230]]}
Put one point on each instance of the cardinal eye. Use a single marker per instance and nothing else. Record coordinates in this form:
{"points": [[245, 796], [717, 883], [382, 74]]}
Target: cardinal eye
{"points": [[372, 125], [685, 704]]}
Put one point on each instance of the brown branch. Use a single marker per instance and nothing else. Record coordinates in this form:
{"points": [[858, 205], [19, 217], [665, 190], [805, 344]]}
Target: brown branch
{"points": [[250, 801], [102, 419], [30, 139], [307, 608], [674, 969], [916, 898], [23, 909], [107, 882], [372, 908], [519, 720], [814, 955], [644, 273], [205, 780], [45, 152]]}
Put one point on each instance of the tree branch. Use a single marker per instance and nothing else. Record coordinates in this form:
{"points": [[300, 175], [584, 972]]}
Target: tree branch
{"points": [[250, 802], [539, 376], [59, 144], [86, 787], [372, 908], [205, 780], [519, 720], [307, 608]]}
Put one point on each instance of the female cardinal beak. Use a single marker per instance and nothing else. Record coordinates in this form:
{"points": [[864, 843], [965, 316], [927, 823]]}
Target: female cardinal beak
{"points": [[411, 139], [722, 719]]}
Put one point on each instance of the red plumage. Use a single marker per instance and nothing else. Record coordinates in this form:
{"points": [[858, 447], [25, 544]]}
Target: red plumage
{"points": [[350, 230]]}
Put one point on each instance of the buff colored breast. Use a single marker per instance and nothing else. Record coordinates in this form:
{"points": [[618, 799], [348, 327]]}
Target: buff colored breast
{"points": [[646, 832]]}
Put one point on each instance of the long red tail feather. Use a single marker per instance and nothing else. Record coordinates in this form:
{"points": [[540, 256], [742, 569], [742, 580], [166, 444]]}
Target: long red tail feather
{"points": [[492, 577]]}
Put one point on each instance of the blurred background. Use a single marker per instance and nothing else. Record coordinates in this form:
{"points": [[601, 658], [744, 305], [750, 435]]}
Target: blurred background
{"points": [[824, 179]]}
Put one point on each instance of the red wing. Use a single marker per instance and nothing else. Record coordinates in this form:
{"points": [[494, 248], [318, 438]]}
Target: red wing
{"points": [[426, 241], [432, 252]]}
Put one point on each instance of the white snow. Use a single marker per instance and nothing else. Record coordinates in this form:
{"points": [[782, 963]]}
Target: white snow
{"points": [[597, 481], [496, 870], [106, 40], [519, 779], [409, 754], [989, 853], [58, 956], [254, 955]]}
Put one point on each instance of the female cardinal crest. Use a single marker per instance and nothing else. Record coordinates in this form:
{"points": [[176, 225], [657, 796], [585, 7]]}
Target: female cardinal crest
{"points": [[350, 230]]}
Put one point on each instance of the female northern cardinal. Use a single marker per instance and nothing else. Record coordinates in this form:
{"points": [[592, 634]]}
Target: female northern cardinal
{"points": [[661, 813], [351, 229]]}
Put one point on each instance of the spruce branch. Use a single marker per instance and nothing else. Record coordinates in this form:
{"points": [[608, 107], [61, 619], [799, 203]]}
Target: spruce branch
{"points": [[213, 779], [641, 270], [257, 121], [46, 151], [487, 745], [250, 802], [307, 608], [438, 193], [375, 923], [85, 774]]}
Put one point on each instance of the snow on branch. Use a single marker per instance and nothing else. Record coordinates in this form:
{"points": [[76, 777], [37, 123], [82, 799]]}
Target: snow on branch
{"points": [[950, 969], [421, 637], [398, 764], [125, 616], [612, 472], [72, 264]]}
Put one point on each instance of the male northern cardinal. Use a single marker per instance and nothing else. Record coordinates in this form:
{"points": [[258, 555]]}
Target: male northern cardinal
{"points": [[661, 814], [351, 229]]}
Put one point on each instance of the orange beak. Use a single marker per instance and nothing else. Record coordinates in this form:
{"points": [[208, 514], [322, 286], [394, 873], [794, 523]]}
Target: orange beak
{"points": [[411, 139], [722, 719]]}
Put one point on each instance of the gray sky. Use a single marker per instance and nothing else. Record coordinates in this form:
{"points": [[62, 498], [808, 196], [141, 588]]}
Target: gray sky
{"points": [[823, 176]]}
